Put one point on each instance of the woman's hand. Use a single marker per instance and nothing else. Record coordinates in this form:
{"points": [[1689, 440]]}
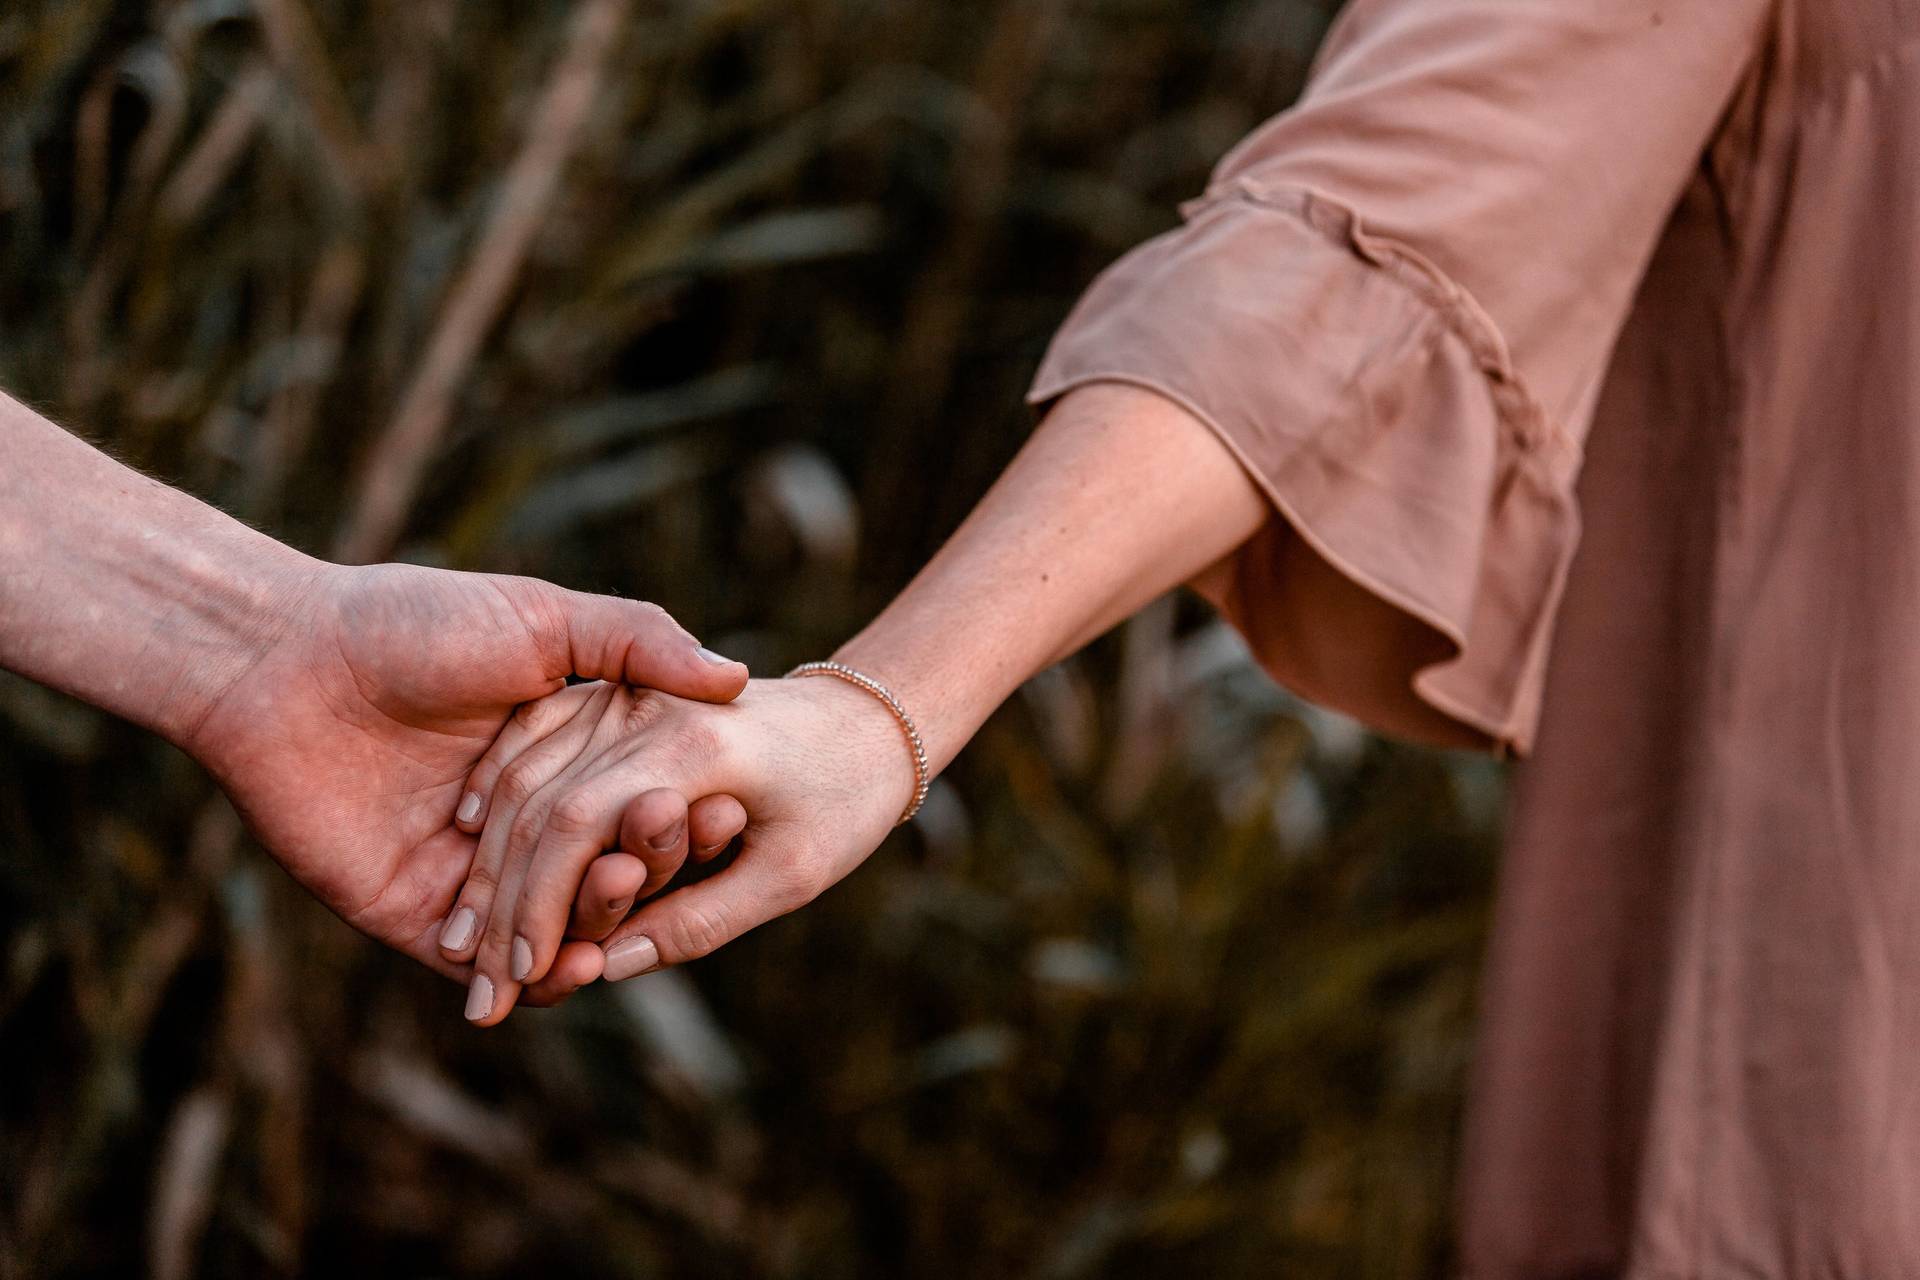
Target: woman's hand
{"points": [[822, 770], [544, 740]]}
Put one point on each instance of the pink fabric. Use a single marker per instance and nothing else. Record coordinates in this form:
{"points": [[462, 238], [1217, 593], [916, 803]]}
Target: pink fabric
{"points": [[1654, 266]]}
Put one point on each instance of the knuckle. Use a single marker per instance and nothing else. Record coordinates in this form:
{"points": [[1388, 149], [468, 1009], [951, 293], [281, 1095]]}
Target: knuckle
{"points": [[692, 745], [534, 717], [496, 940], [645, 710], [525, 835], [795, 884], [543, 609], [696, 735], [482, 880], [574, 813], [517, 785]]}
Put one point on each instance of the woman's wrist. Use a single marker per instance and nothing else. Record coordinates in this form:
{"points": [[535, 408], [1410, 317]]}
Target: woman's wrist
{"points": [[1069, 542], [947, 694], [909, 729]]}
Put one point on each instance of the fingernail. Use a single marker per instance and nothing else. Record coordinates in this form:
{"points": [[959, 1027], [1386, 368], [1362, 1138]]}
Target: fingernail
{"points": [[459, 930], [627, 959], [479, 997], [667, 839], [469, 807], [709, 656], [522, 960]]}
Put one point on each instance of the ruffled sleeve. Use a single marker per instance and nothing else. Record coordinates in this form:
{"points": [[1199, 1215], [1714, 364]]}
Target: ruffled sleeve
{"points": [[1395, 305]]}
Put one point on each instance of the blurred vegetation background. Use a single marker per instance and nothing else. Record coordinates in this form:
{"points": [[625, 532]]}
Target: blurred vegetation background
{"points": [[728, 305]]}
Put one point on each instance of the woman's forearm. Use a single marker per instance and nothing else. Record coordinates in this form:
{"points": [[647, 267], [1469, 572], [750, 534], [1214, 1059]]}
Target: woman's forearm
{"points": [[1119, 496], [121, 591]]}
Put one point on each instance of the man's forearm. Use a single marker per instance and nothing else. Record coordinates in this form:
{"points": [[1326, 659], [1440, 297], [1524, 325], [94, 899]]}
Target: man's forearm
{"points": [[123, 592], [1118, 497]]}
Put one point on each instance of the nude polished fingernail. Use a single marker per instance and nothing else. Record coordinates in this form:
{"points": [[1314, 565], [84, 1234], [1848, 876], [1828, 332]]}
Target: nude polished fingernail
{"points": [[469, 807], [459, 931], [709, 656], [522, 960], [479, 997], [630, 958]]}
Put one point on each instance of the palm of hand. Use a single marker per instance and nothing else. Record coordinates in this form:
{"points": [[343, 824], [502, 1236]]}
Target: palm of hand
{"points": [[346, 746]]}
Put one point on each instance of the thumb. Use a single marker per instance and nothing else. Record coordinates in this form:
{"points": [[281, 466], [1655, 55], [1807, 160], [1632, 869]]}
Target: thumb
{"points": [[762, 884], [632, 642]]}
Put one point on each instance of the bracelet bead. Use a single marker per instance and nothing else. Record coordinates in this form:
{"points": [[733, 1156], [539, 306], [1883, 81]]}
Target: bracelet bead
{"points": [[922, 774]]}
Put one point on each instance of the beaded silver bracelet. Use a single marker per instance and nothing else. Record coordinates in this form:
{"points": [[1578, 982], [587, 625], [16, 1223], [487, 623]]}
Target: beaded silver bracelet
{"points": [[922, 774]]}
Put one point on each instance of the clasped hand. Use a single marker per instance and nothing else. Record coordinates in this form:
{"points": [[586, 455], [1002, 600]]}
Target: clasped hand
{"points": [[813, 771]]}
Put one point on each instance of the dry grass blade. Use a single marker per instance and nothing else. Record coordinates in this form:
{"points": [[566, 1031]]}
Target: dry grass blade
{"points": [[220, 145], [473, 306], [677, 1025], [427, 1102], [185, 1182], [299, 51], [289, 420]]}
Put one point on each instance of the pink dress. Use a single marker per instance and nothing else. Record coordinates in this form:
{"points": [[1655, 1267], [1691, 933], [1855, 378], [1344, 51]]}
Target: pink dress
{"points": [[1512, 267]]}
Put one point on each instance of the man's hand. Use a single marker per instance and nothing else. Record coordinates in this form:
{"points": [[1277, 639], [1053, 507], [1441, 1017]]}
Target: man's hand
{"points": [[346, 744], [340, 708]]}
